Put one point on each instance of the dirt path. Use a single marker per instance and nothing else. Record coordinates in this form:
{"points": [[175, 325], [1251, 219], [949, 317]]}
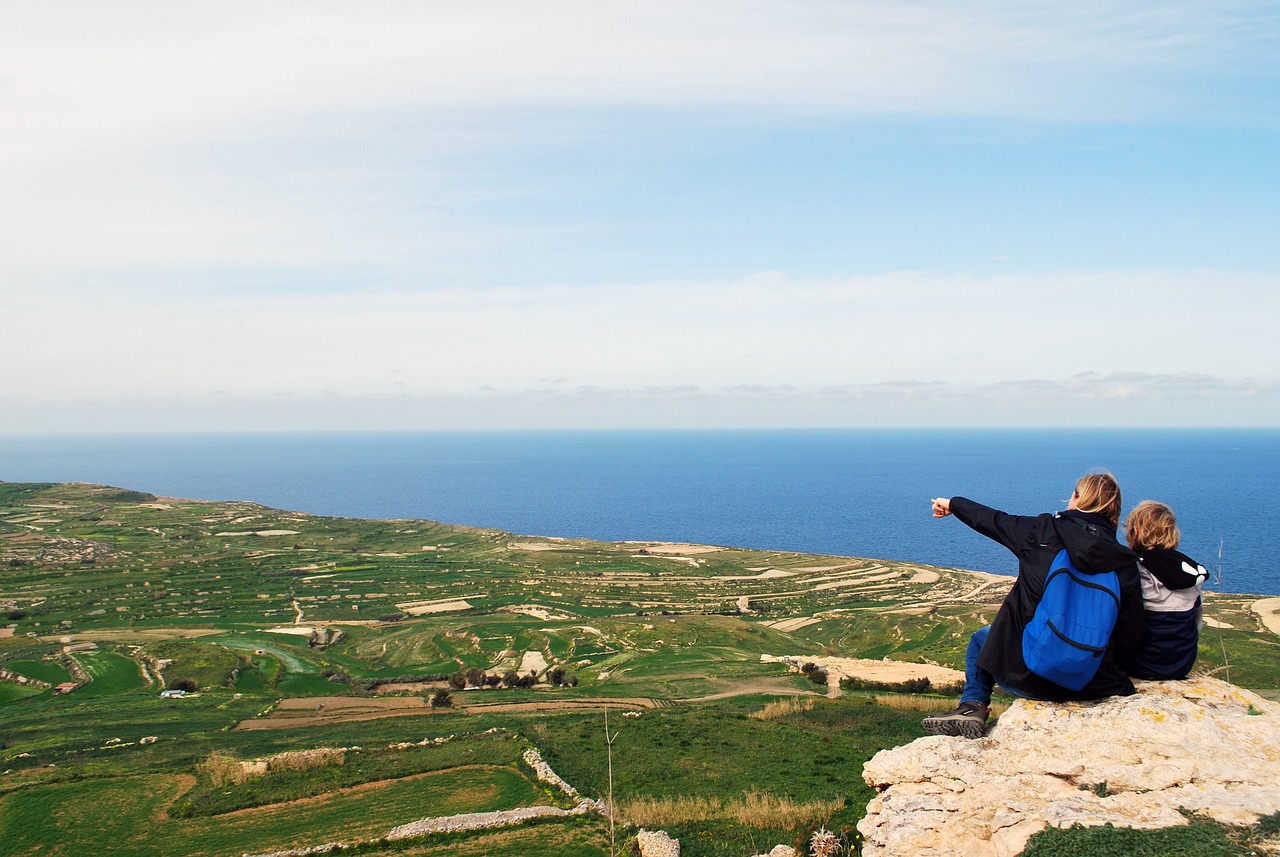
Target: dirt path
{"points": [[992, 580], [560, 705], [321, 719], [302, 713], [782, 685], [534, 662], [1268, 610], [882, 671], [348, 790]]}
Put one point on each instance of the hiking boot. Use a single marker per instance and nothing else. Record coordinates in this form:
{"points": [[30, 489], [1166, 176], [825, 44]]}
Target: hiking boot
{"points": [[968, 720]]}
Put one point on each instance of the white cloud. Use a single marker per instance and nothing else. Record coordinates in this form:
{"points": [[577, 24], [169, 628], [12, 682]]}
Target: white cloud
{"points": [[157, 135], [217, 211], [1134, 386], [84, 76], [911, 339]]}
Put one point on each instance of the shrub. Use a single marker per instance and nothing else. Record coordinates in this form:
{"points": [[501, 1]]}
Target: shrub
{"points": [[780, 708], [753, 809], [915, 685], [190, 685], [442, 698], [306, 760], [818, 676], [15, 615]]}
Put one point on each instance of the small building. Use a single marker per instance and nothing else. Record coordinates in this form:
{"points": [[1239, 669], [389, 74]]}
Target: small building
{"points": [[172, 694], [65, 687]]}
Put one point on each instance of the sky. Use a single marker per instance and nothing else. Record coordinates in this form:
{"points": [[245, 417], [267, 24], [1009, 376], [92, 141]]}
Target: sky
{"points": [[383, 215]]}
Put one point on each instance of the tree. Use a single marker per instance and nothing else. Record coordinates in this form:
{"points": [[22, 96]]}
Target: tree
{"points": [[442, 698]]}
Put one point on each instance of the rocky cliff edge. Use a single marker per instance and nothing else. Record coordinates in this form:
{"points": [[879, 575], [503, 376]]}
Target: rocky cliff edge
{"points": [[1202, 745]]}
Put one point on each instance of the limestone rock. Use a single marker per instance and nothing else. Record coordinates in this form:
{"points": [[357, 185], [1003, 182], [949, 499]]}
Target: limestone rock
{"points": [[1200, 744], [656, 843]]}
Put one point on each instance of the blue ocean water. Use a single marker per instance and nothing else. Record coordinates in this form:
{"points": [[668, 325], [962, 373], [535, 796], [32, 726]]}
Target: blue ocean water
{"points": [[846, 492]]}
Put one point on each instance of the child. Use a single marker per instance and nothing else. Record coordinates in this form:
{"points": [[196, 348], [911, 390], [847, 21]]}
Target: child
{"points": [[1171, 587]]}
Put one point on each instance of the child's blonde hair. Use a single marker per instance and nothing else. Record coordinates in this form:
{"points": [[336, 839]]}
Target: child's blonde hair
{"points": [[1099, 493], [1152, 525]]}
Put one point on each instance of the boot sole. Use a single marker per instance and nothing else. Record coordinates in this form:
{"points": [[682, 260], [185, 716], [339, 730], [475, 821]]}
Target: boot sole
{"points": [[956, 727]]}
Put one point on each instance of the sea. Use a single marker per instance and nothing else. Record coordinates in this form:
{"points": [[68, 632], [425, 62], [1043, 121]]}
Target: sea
{"points": [[863, 493]]}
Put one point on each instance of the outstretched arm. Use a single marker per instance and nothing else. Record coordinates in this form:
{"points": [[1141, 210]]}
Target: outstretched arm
{"points": [[1009, 530]]}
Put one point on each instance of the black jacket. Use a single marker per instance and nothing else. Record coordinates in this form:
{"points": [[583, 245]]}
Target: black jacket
{"points": [[1090, 541], [1171, 583]]}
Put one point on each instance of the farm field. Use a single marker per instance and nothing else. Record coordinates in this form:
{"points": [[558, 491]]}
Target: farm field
{"points": [[345, 677]]}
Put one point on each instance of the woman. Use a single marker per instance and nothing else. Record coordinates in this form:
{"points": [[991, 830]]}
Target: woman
{"points": [[1087, 530], [1171, 587]]}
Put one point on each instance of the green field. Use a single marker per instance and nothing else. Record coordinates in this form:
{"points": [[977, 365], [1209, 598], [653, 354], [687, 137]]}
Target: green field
{"points": [[301, 633], [118, 815]]}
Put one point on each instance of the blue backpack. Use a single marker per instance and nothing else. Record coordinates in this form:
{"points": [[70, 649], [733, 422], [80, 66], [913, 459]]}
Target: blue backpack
{"points": [[1066, 638]]}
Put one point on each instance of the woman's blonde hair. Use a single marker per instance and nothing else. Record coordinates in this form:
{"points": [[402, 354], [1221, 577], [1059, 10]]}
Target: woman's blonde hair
{"points": [[1152, 525], [1099, 493]]}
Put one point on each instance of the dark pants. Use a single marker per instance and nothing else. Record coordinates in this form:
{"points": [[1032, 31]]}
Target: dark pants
{"points": [[978, 683]]}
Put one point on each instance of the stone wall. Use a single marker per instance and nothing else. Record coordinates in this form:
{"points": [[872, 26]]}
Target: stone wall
{"points": [[477, 820]]}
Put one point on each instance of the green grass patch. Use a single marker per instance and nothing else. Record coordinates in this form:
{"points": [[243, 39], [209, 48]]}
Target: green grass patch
{"points": [[61, 729], [729, 839], [574, 837], [1200, 838], [201, 660], [110, 674], [718, 749], [359, 766], [46, 671], [11, 691], [309, 684], [123, 817], [257, 674], [1249, 659]]}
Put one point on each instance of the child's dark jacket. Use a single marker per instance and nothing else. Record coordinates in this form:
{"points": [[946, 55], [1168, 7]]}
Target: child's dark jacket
{"points": [[1090, 541], [1171, 586]]}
